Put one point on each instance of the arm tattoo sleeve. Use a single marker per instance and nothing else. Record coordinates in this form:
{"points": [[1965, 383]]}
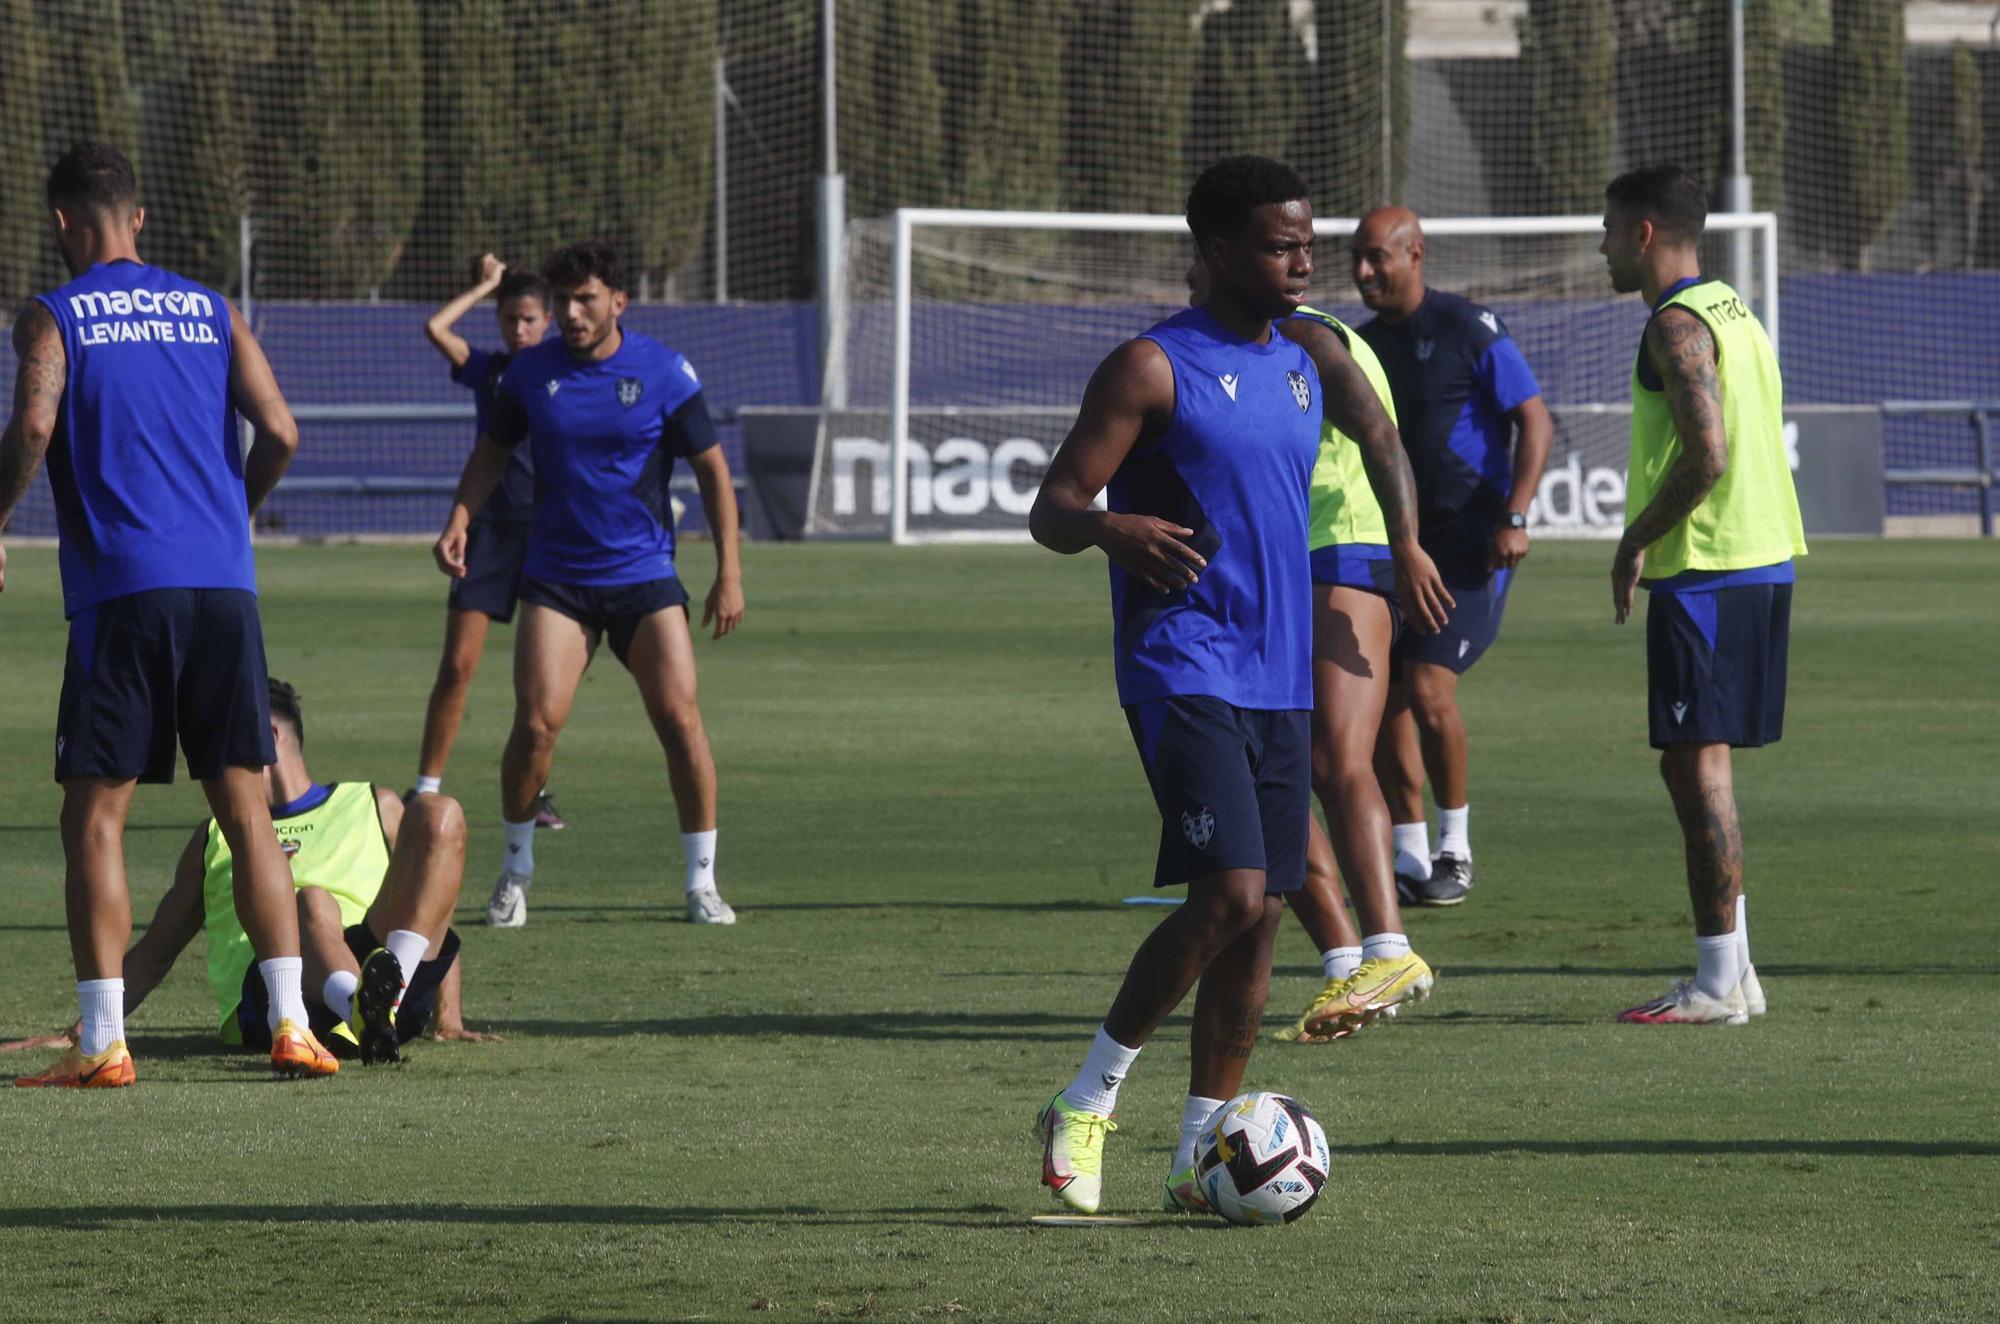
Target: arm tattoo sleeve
{"points": [[1683, 351], [39, 378]]}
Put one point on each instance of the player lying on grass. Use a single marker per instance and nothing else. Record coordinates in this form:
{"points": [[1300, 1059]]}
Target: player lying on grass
{"points": [[376, 885]]}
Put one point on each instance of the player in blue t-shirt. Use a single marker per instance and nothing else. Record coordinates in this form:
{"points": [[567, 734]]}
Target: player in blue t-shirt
{"points": [[607, 413], [130, 380], [1478, 434], [497, 541], [1202, 434]]}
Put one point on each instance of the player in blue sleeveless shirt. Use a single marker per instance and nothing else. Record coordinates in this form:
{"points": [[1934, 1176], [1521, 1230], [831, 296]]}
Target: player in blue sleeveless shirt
{"points": [[1202, 433], [497, 540], [130, 381], [608, 413]]}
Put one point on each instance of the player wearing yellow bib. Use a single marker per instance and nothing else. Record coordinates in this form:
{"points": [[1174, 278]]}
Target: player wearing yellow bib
{"points": [[1712, 527], [376, 885], [1364, 581]]}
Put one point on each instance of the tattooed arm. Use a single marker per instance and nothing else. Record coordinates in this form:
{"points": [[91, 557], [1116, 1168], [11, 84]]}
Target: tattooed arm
{"points": [[1353, 407], [39, 377], [1683, 352]]}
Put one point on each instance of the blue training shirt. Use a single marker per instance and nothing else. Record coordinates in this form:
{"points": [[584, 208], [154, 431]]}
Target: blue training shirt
{"points": [[605, 436], [1455, 374], [513, 500], [145, 465], [1233, 466]]}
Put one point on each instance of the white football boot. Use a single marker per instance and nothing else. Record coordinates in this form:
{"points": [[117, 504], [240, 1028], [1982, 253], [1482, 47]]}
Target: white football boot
{"points": [[706, 906], [508, 908], [1752, 991]]}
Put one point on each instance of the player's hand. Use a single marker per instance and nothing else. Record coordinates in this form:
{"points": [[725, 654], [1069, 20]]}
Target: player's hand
{"points": [[1507, 549], [724, 605], [450, 551], [1427, 603], [1625, 570], [458, 1034], [1152, 550], [74, 1034], [491, 269]]}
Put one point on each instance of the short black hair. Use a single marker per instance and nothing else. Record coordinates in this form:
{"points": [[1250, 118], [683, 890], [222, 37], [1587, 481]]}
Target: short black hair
{"points": [[1220, 203], [1670, 196], [93, 177], [523, 285], [285, 705], [576, 263]]}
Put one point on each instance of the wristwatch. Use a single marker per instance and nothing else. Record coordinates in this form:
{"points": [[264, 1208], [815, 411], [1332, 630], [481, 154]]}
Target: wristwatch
{"points": [[1516, 520]]}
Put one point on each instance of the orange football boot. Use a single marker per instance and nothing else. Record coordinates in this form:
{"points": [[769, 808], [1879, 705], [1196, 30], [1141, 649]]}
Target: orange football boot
{"points": [[107, 1070], [295, 1051]]}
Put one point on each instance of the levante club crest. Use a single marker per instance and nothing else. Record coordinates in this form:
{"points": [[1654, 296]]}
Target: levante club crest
{"points": [[1301, 392], [629, 391]]}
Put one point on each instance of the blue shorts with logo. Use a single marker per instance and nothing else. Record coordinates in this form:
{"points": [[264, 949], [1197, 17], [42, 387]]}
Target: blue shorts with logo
{"points": [[148, 668], [1233, 785], [1715, 665], [612, 610], [1472, 627], [495, 553]]}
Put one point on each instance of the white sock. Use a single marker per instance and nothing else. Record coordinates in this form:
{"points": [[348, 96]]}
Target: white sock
{"points": [[1742, 931], [1718, 965], [520, 857], [102, 1002], [338, 993], [1385, 945], [1340, 962], [408, 947], [1452, 838], [699, 848], [429, 785], [1193, 1113], [1413, 850], [1095, 1089], [281, 984]]}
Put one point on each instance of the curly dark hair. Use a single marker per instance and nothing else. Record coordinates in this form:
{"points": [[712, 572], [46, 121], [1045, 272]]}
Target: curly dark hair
{"points": [[1220, 203], [285, 705], [93, 177], [573, 264]]}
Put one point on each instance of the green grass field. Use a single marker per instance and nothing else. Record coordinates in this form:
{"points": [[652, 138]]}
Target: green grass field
{"points": [[931, 808]]}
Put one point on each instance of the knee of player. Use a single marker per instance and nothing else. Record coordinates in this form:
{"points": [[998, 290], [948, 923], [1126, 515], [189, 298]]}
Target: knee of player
{"points": [[536, 729], [679, 723], [440, 818], [316, 904], [456, 669]]}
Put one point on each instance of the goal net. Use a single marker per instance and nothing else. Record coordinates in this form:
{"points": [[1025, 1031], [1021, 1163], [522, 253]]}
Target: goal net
{"points": [[970, 336]]}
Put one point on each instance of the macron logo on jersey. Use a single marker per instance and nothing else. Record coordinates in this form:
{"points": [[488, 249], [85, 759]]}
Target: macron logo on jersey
{"points": [[1490, 322], [554, 386], [1228, 380], [109, 317], [688, 368]]}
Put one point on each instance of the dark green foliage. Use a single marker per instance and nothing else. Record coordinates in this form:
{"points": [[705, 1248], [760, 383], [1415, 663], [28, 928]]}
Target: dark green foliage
{"points": [[1569, 50], [194, 129], [1005, 112], [23, 215], [1967, 148], [337, 157], [475, 179], [890, 118], [1341, 135], [1249, 68], [1127, 63], [1764, 103], [1872, 122]]}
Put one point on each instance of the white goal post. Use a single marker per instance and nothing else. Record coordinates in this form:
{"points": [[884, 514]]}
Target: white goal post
{"points": [[996, 289]]}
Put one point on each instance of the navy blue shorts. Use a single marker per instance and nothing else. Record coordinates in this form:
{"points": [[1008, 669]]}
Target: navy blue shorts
{"points": [[1366, 566], [1473, 626], [1234, 787], [612, 610], [149, 667], [495, 552], [1715, 665], [412, 1017]]}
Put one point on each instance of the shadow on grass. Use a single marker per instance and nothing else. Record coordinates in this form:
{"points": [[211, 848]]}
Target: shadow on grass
{"points": [[104, 1217], [1447, 970], [668, 909], [1709, 1148], [879, 1026]]}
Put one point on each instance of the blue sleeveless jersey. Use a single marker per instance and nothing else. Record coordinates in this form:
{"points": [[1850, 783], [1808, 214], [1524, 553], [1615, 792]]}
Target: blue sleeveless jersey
{"points": [[1234, 467], [144, 463]]}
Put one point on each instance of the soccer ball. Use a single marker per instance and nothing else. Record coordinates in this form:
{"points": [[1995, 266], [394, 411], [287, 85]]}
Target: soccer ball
{"points": [[1261, 1158]]}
